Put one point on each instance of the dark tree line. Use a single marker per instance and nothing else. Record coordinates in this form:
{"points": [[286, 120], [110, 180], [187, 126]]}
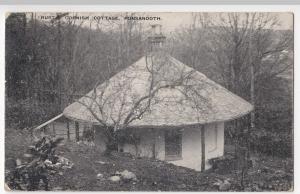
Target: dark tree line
{"points": [[49, 64]]}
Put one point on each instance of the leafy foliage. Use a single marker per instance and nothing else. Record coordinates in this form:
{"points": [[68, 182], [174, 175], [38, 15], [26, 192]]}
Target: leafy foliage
{"points": [[35, 169]]}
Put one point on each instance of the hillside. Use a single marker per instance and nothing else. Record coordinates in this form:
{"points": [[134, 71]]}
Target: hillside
{"points": [[267, 173]]}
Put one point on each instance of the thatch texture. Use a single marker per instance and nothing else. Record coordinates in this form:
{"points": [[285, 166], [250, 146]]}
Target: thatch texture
{"points": [[190, 98]]}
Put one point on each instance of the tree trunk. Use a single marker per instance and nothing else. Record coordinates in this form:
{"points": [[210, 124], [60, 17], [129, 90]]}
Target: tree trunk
{"points": [[111, 140], [252, 94], [202, 148], [59, 80], [68, 128]]}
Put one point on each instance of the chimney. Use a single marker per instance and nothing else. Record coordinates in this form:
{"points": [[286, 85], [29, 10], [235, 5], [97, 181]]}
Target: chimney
{"points": [[156, 40]]}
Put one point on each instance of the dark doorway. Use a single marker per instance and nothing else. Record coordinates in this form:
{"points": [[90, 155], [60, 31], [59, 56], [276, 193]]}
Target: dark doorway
{"points": [[173, 144]]}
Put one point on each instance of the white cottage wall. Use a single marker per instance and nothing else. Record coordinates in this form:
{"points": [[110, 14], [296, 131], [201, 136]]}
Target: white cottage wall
{"points": [[191, 145], [214, 141], [191, 149]]}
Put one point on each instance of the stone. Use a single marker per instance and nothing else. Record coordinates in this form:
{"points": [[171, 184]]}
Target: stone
{"points": [[114, 178], [100, 176], [64, 167], [127, 175], [57, 189], [100, 162], [18, 162], [47, 162], [181, 186], [28, 155], [225, 186], [65, 163], [58, 165]]}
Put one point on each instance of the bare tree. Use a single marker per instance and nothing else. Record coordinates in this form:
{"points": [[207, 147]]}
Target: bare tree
{"points": [[248, 39], [248, 48], [117, 102], [238, 50]]}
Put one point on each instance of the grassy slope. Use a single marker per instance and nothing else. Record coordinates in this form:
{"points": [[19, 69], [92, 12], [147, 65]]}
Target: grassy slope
{"points": [[152, 175]]}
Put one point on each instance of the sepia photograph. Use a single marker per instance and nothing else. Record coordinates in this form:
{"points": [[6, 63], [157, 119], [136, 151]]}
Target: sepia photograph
{"points": [[149, 101]]}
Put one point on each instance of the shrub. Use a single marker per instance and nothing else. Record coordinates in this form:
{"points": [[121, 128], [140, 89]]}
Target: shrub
{"points": [[36, 166]]}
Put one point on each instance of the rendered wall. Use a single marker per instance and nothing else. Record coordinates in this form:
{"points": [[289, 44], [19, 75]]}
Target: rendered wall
{"points": [[191, 145], [214, 141]]}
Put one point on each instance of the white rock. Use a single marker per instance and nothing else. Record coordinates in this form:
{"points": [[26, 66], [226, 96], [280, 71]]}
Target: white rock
{"points": [[100, 176], [58, 165], [18, 162], [117, 173], [27, 155], [47, 162], [128, 175], [114, 178], [225, 186], [100, 162], [64, 167], [57, 188]]}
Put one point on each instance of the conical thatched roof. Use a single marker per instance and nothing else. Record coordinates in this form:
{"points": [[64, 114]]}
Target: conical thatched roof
{"points": [[190, 98]]}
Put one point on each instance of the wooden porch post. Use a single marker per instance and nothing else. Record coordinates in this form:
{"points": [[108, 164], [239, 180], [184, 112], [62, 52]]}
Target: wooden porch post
{"points": [[53, 126], [68, 128], [153, 143], [202, 148], [77, 131]]}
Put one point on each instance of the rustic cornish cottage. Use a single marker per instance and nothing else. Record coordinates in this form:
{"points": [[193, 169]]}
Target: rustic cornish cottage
{"points": [[181, 123]]}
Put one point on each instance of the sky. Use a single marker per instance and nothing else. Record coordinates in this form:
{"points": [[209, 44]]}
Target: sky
{"points": [[174, 21]]}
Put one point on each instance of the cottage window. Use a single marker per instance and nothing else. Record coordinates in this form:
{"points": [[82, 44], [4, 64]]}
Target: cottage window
{"points": [[173, 144]]}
